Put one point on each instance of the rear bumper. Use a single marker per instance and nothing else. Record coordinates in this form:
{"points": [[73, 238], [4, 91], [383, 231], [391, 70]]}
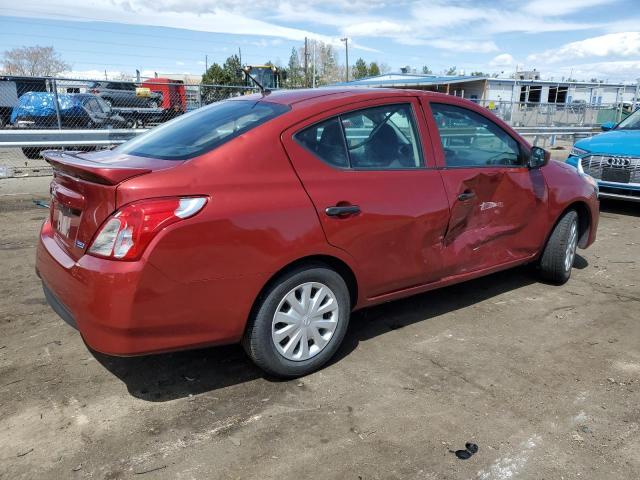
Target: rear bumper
{"points": [[131, 308]]}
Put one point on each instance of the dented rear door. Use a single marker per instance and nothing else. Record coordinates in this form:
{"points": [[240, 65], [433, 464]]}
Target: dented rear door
{"points": [[498, 205]]}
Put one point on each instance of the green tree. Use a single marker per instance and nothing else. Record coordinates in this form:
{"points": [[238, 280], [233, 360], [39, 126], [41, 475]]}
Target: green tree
{"points": [[217, 77], [374, 69], [426, 70], [294, 70], [451, 70], [360, 69], [479, 74]]}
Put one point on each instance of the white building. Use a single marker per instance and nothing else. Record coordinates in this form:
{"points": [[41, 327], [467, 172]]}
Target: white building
{"points": [[528, 90]]}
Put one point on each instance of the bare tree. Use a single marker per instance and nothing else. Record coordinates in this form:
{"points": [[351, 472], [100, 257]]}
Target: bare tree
{"points": [[33, 62]]}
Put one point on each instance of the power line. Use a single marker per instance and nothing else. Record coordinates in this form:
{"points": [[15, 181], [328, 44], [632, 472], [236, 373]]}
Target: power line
{"points": [[137, 45], [137, 34], [93, 52]]}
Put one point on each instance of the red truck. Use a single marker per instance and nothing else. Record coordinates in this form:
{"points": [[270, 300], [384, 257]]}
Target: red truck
{"points": [[173, 94]]}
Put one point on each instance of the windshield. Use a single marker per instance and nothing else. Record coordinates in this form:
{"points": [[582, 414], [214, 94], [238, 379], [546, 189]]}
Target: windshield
{"points": [[632, 122], [103, 105], [202, 130], [265, 77]]}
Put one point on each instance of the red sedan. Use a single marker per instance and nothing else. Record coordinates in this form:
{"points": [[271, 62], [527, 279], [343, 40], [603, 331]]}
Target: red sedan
{"points": [[268, 219]]}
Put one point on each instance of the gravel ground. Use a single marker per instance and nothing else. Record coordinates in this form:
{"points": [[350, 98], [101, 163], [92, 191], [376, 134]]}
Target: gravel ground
{"points": [[544, 379]]}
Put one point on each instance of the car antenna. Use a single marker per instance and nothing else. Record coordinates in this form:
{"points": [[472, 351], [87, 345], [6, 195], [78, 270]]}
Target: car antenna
{"points": [[263, 91]]}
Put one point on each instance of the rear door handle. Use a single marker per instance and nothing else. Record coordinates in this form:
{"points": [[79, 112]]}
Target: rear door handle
{"points": [[342, 211], [466, 195]]}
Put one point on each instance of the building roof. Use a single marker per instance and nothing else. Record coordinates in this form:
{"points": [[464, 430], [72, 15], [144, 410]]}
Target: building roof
{"points": [[403, 80], [408, 80]]}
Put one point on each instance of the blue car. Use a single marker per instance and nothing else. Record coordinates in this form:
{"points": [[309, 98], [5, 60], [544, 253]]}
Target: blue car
{"points": [[612, 158]]}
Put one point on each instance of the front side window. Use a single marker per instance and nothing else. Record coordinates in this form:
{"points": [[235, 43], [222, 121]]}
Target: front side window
{"points": [[377, 138], [472, 140], [202, 130]]}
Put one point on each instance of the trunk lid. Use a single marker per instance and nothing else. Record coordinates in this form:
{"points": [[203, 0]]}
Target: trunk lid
{"points": [[83, 192]]}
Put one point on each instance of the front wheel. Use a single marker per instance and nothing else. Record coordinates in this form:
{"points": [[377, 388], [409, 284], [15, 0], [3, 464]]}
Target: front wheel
{"points": [[559, 253], [299, 322]]}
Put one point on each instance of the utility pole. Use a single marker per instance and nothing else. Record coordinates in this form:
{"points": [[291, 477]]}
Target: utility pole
{"points": [[313, 69], [306, 62], [206, 63], [346, 49], [240, 56], [636, 100]]}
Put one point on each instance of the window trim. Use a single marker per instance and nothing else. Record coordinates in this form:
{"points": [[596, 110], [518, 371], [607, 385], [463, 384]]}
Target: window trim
{"points": [[521, 151], [423, 164]]}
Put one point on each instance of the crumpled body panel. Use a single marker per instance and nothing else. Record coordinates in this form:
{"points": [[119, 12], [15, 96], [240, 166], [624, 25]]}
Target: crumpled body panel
{"points": [[504, 219]]}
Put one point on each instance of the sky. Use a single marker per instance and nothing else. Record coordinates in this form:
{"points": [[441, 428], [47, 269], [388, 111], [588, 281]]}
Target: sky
{"points": [[582, 39]]}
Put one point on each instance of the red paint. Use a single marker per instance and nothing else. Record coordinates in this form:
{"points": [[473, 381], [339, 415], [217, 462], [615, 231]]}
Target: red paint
{"points": [[197, 280], [173, 93]]}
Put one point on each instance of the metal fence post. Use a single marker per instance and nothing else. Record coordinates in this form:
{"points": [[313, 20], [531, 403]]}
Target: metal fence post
{"points": [[57, 102]]}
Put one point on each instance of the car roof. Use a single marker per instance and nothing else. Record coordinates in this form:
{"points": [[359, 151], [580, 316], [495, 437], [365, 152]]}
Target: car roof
{"points": [[312, 95]]}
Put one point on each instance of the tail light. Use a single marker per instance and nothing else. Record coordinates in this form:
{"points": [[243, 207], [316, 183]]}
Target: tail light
{"points": [[94, 90], [126, 233]]}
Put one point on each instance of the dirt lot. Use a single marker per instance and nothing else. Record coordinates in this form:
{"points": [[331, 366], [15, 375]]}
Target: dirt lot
{"points": [[546, 380]]}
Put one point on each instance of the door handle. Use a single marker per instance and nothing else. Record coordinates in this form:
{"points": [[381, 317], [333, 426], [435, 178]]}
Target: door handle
{"points": [[467, 195], [342, 211]]}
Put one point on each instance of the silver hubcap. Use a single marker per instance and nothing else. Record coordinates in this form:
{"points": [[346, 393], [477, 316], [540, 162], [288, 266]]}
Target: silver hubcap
{"points": [[305, 321], [570, 253]]}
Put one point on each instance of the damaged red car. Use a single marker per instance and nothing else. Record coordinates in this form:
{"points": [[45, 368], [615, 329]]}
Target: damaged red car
{"points": [[268, 219]]}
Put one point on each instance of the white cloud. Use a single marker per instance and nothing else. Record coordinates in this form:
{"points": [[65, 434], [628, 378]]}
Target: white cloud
{"points": [[502, 60], [552, 8], [190, 14], [614, 71], [379, 28], [452, 26], [484, 20], [459, 45], [623, 44]]}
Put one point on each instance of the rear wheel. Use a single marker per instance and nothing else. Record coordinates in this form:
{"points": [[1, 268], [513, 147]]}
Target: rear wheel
{"points": [[559, 253], [299, 322]]}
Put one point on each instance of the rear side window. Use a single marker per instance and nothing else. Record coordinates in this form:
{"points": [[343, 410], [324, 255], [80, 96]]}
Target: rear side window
{"points": [[326, 141], [203, 130], [377, 138]]}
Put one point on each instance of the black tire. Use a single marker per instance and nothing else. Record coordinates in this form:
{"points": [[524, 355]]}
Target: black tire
{"points": [[32, 153], [555, 257], [258, 342]]}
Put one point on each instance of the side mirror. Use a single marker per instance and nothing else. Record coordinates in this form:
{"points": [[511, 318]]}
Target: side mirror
{"points": [[606, 126], [539, 157]]}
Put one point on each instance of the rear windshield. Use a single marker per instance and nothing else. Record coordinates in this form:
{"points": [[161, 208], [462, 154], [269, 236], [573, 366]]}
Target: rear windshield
{"points": [[202, 130]]}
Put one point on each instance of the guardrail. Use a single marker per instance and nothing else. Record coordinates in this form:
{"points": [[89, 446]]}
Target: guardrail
{"points": [[41, 139], [16, 138]]}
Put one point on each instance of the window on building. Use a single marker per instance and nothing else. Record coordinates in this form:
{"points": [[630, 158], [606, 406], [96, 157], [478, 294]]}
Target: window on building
{"points": [[557, 94]]}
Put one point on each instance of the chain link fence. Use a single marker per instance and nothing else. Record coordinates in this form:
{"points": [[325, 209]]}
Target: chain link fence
{"points": [[521, 114], [38, 103]]}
